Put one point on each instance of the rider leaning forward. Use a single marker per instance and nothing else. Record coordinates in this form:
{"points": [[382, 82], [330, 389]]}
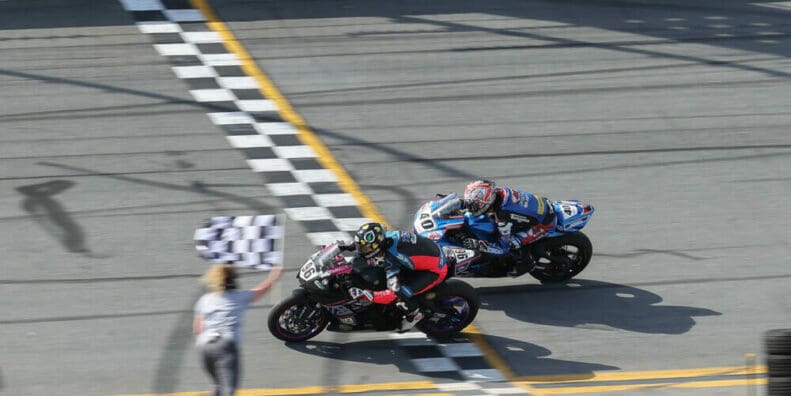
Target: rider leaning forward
{"points": [[522, 218], [413, 265]]}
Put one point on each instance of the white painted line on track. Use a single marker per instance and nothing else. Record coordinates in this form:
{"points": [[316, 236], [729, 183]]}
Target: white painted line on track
{"points": [[295, 152], [249, 141], [213, 95]]}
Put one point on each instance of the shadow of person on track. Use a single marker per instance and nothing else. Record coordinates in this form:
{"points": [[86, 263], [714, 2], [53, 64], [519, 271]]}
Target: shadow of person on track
{"points": [[592, 304]]}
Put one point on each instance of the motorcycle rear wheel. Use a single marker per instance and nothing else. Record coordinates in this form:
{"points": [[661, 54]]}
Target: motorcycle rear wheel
{"points": [[563, 257], [297, 319], [455, 306]]}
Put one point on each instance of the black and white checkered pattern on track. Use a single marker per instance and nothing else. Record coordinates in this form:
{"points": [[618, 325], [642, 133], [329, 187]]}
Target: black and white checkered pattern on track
{"points": [[458, 366], [252, 123]]}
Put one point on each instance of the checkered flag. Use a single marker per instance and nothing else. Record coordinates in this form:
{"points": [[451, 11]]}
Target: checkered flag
{"points": [[243, 241]]}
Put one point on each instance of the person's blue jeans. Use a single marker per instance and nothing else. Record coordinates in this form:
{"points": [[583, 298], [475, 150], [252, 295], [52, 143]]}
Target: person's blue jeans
{"points": [[221, 361]]}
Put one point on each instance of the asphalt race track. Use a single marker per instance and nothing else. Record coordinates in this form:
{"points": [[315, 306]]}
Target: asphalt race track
{"points": [[670, 117]]}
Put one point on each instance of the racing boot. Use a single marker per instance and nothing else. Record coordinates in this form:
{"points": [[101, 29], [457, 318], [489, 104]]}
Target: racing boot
{"points": [[412, 314], [410, 320]]}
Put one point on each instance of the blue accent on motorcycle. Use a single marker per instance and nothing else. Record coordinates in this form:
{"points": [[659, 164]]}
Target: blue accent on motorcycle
{"points": [[570, 217]]}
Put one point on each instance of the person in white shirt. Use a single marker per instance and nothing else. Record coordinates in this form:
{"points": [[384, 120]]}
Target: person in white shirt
{"points": [[217, 324]]}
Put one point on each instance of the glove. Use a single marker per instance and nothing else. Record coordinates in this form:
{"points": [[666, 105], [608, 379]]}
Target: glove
{"points": [[504, 228], [345, 245], [361, 294], [475, 244], [470, 243]]}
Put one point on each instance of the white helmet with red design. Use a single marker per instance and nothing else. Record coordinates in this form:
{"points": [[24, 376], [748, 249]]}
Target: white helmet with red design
{"points": [[479, 196]]}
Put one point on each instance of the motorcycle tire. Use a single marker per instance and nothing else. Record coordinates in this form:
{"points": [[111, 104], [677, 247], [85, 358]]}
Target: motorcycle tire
{"points": [[455, 306], [297, 319], [562, 263]]}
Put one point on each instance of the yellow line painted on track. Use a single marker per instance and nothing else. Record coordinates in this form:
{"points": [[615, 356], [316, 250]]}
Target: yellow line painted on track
{"points": [[639, 375], [490, 354], [424, 394], [584, 380], [430, 394], [313, 390], [685, 380], [270, 91], [621, 388], [722, 383], [494, 359], [393, 386]]}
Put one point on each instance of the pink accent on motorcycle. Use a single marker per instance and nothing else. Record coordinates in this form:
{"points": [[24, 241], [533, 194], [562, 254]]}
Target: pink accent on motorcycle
{"points": [[342, 270]]}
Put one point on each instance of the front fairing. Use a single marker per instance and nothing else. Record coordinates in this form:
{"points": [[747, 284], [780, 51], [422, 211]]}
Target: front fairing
{"points": [[424, 222], [429, 224], [324, 272]]}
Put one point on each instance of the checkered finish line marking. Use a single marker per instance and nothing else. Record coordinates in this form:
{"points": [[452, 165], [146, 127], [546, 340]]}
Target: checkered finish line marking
{"points": [[257, 119], [463, 367], [315, 190]]}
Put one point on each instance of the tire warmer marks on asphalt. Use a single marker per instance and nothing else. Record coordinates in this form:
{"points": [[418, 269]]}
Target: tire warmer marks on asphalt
{"points": [[310, 193]]}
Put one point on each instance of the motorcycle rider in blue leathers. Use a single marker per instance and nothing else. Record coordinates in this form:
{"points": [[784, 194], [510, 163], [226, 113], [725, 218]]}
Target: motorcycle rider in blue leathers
{"points": [[521, 217]]}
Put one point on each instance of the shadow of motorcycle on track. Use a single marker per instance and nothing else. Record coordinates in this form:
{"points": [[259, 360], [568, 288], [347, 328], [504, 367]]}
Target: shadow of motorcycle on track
{"points": [[379, 352], [591, 304], [527, 359]]}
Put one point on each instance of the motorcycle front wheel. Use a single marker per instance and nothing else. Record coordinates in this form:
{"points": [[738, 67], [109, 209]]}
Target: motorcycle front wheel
{"points": [[454, 306], [297, 319], [561, 257]]}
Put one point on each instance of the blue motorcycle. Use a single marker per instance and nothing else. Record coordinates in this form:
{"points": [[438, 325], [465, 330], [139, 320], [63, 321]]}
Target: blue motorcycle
{"points": [[559, 256]]}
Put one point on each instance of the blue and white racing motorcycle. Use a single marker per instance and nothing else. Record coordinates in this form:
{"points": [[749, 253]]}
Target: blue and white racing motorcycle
{"points": [[563, 253]]}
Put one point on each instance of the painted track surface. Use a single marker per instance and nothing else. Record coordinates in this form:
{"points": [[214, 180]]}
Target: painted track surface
{"points": [[676, 131]]}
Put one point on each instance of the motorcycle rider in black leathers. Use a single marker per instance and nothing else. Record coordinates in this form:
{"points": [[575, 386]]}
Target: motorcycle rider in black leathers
{"points": [[413, 265]]}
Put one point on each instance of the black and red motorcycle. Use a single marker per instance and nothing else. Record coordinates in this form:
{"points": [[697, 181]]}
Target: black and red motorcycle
{"points": [[323, 302]]}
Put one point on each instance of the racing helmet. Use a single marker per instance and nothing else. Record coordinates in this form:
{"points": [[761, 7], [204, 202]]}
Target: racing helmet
{"points": [[479, 196], [370, 239]]}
